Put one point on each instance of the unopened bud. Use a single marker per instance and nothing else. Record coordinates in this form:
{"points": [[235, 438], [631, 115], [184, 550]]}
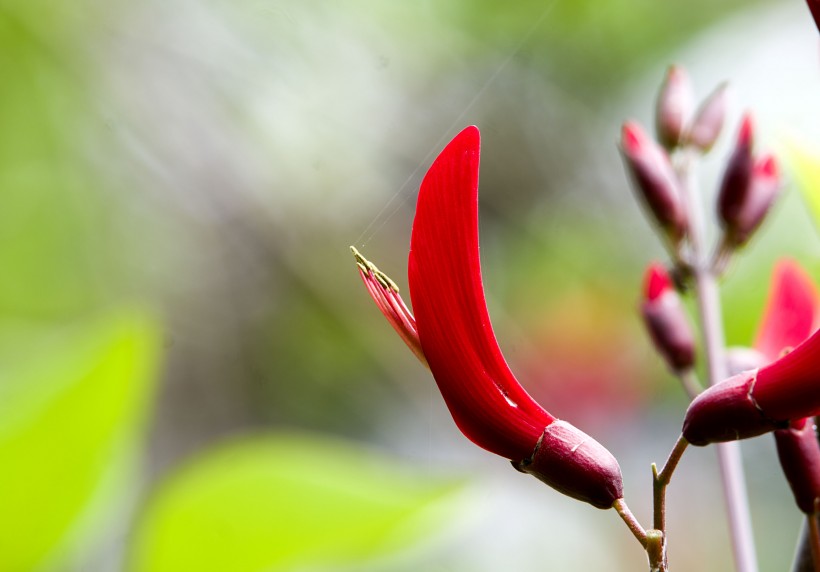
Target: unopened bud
{"points": [[708, 121], [666, 320], [655, 179], [674, 107], [727, 412], [758, 401], [764, 188], [572, 462], [799, 453], [737, 177]]}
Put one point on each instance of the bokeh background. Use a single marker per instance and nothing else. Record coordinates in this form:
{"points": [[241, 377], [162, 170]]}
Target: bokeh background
{"points": [[192, 376]]}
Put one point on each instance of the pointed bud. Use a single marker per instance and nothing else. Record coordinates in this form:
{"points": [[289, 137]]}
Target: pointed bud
{"points": [[737, 177], [666, 320], [655, 179], [674, 107], [764, 188], [572, 462], [386, 295], [709, 118], [799, 453], [756, 402]]}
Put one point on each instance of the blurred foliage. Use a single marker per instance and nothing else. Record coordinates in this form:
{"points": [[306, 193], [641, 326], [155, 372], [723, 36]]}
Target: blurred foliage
{"points": [[287, 502], [76, 404], [805, 163], [607, 42]]}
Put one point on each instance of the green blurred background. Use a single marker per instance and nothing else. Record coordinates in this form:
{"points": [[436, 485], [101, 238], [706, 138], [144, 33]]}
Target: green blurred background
{"points": [[193, 378]]}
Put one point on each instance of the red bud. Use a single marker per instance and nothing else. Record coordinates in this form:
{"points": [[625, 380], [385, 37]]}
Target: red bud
{"points": [[763, 190], [799, 454], [737, 178], [674, 107], [727, 412], [758, 401], [709, 118], [653, 175], [666, 320], [572, 462]]}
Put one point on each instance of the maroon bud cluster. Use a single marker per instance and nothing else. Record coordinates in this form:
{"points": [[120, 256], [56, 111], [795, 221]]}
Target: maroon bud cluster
{"points": [[666, 320]]}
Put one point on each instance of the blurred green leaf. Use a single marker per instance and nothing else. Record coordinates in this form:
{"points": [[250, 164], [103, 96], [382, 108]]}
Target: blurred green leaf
{"points": [[67, 410], [806, 167], [282, 502]]}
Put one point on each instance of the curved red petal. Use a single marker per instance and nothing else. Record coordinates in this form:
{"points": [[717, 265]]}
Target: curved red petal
{"points": [[789, 388], [790, 312], [486, 401]]}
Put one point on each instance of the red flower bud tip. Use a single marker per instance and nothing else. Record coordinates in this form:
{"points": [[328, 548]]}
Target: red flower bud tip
{"points": [[657, 282], [799, 453], [709, 118], [736, 178], [758, 401], [674, 107], [652, 174], [791, 311], [386, 295], [486, 401], [666, 320], [764, 188]]}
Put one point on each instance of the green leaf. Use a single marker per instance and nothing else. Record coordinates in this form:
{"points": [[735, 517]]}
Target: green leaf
{"points": [[285, 501], [68, 408]]}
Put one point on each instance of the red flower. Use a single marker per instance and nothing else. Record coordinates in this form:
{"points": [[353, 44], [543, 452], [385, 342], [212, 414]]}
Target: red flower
{"points": [[787, 389], [485, 399]]}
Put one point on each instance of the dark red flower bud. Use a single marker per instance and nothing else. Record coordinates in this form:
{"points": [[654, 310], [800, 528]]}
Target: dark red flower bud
{"points": [[799, 454], [572, 462], [674, 107], [758, 401], [653, 176], [709, 118], [666, 320], [486, 401], [737, 177], [763, 189], [814, 6]]}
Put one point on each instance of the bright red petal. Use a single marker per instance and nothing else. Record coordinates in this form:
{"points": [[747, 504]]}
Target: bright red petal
{"points": [[486, 401], [789, 388], [790, 312]]}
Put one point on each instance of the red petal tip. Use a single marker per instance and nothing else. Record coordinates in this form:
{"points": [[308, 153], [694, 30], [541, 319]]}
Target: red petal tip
{"points": [[744, 136], [632, 137], [656, 282], [767, 166]]}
